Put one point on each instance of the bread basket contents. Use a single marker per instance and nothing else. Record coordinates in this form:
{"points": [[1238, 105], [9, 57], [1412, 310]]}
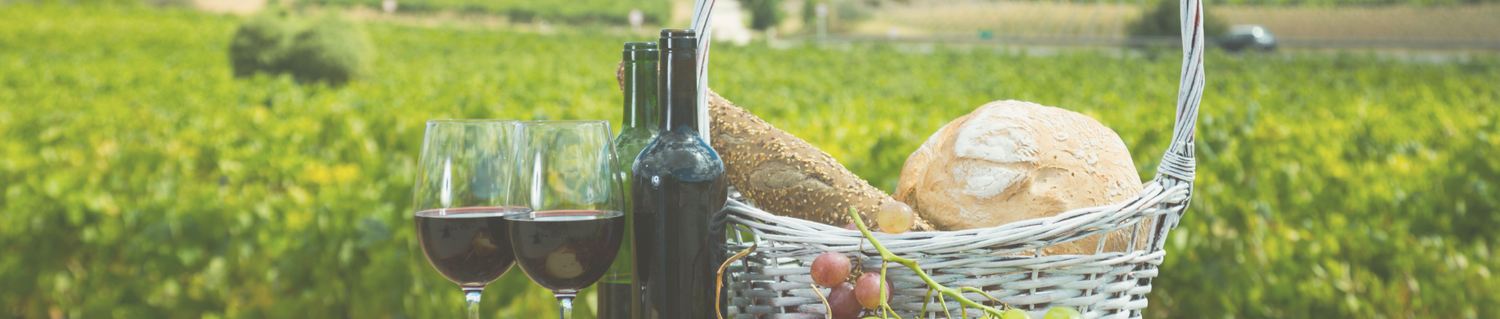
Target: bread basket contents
{"points": [[1007, 161], [1010, 161]]}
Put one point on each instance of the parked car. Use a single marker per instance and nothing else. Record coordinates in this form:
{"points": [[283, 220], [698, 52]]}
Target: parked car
{"points": [[1245, 36]]}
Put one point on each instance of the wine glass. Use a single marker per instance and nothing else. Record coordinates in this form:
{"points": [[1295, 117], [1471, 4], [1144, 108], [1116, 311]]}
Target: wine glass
{"points": [[569, 177], [462, 193]]}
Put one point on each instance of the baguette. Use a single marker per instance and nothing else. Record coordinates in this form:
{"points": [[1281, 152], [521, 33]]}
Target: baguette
{"points": [[787, 176]]}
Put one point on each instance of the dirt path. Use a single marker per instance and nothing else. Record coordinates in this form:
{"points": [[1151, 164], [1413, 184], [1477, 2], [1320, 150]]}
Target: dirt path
{"points": [[230, 6], [729, 23]]}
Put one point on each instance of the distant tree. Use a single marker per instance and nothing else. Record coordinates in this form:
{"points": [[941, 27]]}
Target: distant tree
{"points": [[809, 17], [260, 42], [1164, 20], [764, 13], [329, 49]]}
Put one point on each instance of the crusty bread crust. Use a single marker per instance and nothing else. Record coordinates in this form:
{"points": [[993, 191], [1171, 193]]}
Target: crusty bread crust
{"points": [[1010, 161], [786, 176]]}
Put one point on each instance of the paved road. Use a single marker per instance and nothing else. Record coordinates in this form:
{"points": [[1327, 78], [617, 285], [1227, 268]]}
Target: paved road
{"points": [[1112, 41], [1440, 54]]}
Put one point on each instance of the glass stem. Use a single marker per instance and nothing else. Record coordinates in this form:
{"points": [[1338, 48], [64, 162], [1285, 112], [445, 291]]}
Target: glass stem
{"points": [[471, 296], [565, 303]]}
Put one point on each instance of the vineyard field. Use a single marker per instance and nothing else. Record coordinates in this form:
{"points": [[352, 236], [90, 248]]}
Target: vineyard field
{"points": [[141, 180]]}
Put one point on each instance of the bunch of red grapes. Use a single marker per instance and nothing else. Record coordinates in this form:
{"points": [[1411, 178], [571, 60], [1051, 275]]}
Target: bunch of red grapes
{"points": [[849, 300], [832, 270]]}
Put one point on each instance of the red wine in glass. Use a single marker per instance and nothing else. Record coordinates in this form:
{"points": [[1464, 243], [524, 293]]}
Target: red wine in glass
{"points": [[461, 193], [566, 250], [468, 245], [570, 176]]}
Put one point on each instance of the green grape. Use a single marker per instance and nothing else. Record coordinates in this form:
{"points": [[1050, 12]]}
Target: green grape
{"points": [[1014, 313], [895, 217], [1063, 313]]}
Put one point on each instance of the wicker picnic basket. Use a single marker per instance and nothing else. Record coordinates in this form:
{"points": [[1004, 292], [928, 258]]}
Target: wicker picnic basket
{"points": [[773, 281]]}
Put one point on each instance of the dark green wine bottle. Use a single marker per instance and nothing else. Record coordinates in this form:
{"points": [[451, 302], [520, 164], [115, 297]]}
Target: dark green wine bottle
{"points": [[639, 127], [677, 196]]}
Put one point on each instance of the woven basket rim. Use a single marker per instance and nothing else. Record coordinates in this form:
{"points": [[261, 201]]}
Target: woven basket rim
{"points": [[1061, 227]]}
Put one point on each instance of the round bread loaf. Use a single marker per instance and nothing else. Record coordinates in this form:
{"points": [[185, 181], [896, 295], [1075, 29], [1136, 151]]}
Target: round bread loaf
{"points": [[1010, 161]]}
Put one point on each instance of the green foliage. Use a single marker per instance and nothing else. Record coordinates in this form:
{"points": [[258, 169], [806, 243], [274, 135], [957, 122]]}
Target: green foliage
{"points": [[260, 43], [850, 11], [1165, 20], [764, 13], [607, 11], [1331, 3], [809, 12], [1344, 187], [140, 179], [1325, 3], [170, 3], [329, 49]]}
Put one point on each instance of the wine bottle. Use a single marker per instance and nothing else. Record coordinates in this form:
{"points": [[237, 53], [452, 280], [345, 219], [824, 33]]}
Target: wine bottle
{"points": [[677, 193], [638, 128]]}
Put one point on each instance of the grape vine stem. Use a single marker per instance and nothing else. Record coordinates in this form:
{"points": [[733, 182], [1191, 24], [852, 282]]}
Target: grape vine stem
{"points": [[719, 283], [886, 256], [826, 305]]}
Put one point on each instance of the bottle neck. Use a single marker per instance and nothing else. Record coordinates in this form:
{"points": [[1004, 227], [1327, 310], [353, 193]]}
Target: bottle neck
{"points": [[640, 95], [677, 87]]}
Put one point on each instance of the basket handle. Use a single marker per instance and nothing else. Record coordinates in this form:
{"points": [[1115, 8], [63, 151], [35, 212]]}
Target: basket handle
{"points": [[1178, 162], [702, 10]]}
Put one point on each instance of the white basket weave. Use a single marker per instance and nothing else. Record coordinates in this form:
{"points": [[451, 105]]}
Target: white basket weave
{"points": [[773, 281]]}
